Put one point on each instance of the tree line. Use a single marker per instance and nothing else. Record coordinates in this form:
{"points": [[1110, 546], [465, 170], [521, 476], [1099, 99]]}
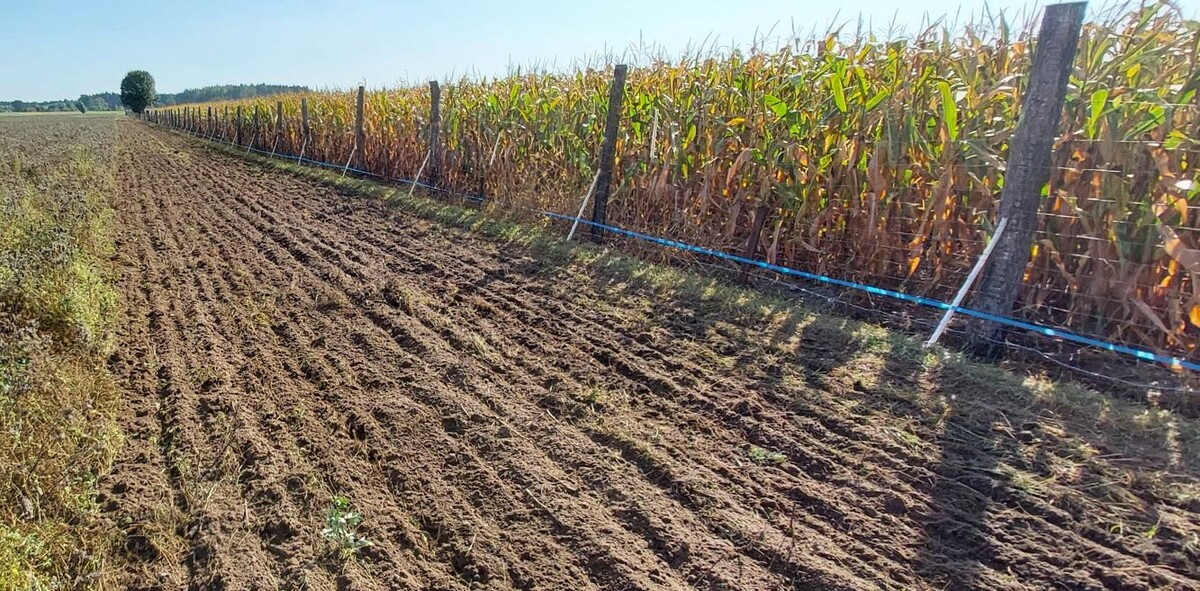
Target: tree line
{"points": [[111, 101]]}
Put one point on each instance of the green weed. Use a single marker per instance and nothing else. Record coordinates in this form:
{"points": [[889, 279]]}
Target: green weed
{"points": [[341, 528], [765, 457]]}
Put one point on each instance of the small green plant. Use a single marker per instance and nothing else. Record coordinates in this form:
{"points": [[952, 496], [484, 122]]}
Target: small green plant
{"points": [[1153, 531], [341, 528], [765, 456]]}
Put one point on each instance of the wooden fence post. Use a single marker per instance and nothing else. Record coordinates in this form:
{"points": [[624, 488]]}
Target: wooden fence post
{"points": [[278, 126], [305, 131], [435, 127], [238, 123], [211, 127], [608, 151], [1028, 170], [760, 219], [359, 135], [254, 135]]}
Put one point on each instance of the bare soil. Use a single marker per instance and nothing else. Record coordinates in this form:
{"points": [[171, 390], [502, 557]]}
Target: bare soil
{"points": [[503, 422]]}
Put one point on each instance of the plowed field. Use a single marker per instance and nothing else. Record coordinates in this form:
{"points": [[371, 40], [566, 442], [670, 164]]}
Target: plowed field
{"points": [[501, 421]]}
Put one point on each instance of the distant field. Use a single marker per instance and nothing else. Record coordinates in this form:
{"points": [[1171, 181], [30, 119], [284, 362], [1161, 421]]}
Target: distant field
{"points": [[64, 114]]}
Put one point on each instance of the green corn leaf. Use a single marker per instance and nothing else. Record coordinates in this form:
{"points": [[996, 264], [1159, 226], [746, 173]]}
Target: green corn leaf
{"points": [[878, 98], [776, 106], [949, 110], [839, 92], [1157, 117], [1174, 140], [1099, 100]]}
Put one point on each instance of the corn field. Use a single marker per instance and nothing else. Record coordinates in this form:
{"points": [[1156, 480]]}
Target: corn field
{"points": [[879, 161]]}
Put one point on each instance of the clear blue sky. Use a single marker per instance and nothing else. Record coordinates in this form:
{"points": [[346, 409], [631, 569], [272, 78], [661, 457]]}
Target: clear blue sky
{"points": [[56, 49]]}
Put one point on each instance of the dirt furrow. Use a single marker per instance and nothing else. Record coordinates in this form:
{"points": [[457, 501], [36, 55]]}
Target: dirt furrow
{"points": [[452, 339], [595, 342]]}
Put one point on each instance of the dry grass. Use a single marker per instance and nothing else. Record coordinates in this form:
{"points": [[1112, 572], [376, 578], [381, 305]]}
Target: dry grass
{"points": [[57, 400]]}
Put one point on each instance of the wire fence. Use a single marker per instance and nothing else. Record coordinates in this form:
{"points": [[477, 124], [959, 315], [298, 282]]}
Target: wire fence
{"points": [[878, 165], [929, 263], [1079, 356]]}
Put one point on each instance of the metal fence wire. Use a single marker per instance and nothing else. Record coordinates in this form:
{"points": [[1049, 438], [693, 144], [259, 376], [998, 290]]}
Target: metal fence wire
{"points": [[901, 198]]}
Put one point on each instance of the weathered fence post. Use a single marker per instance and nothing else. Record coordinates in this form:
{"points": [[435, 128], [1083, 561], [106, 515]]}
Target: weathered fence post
{"points": [[238, 123], [435, 127], [608, 151], [760, 219], [1028, 170], [278, 126], [304, 129], [359, 134], [211, 126]]}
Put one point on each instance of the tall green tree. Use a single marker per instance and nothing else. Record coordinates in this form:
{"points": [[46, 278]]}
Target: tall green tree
{"points": [[137, 90]]}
